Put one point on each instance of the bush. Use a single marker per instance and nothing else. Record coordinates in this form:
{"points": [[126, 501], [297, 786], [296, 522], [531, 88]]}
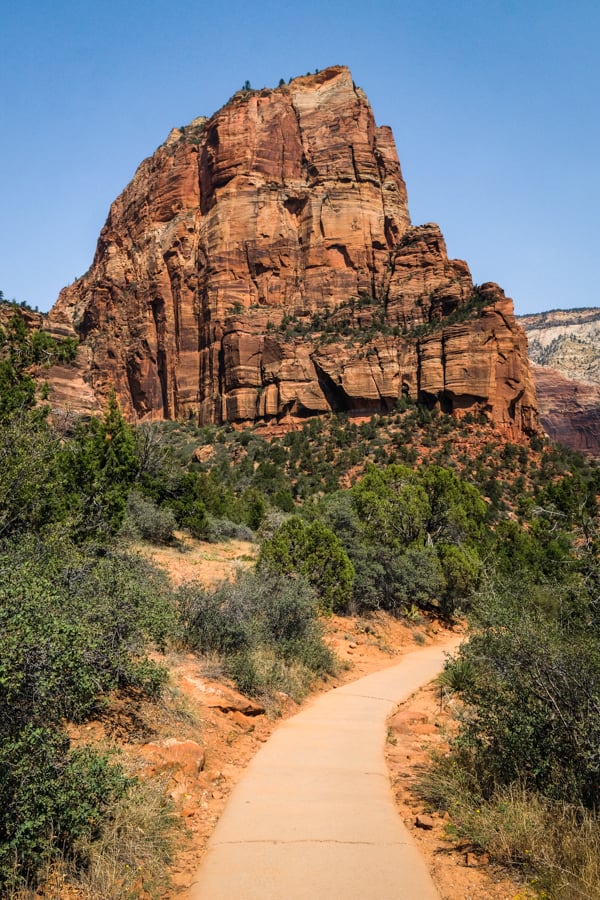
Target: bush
{"points": [[73, 625], [32, 486], [225, 529], [533, 706], [266, 628], [414, 577], [461, 571], [52, 799], [143, 518], [314, 552]]}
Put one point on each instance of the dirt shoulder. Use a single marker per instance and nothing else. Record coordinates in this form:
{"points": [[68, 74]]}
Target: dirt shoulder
{"points": [[420, 726]]}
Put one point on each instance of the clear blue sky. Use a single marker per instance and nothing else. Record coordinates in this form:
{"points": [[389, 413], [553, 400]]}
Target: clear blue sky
{"points": [[494, 105]]}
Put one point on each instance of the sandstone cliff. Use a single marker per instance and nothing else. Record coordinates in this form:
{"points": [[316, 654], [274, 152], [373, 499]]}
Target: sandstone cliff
{"points": [[261, 265], [569, 410], [565, 345], [566, 340]]}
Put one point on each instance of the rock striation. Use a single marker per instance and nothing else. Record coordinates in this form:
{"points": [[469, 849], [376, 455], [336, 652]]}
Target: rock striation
{"points": [[569, 410], [566, 340], [262, 266], [564, 346]]}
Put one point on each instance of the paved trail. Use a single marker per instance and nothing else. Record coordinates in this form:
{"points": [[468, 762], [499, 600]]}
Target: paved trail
{"points": [[314, 817]]}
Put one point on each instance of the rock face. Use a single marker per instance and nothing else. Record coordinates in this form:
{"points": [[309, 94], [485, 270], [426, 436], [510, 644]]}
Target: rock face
{"points": [[569, 410], [565, 345], [261, 265], [566, 340]]}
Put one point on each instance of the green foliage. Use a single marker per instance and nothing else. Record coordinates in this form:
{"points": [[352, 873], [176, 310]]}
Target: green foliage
{"points": [[52, 799], [456, 510], [188, 506], [414, 577], [461, 573], [20, 350], [254, 508], [523, 776], [74, 624], [392, 505], [147, 520], [17, 389], [534, 710], [32, 486], [411, 537], [314, 552], [102, 464], [266, 628], [473, 307]]}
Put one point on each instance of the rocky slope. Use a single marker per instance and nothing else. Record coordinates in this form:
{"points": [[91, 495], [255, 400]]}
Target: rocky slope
{"points": [[261, 265], [566, 340], [565, 346]]}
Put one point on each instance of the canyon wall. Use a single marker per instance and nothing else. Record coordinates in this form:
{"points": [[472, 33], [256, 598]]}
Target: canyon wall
{"points": [[565, 348]]}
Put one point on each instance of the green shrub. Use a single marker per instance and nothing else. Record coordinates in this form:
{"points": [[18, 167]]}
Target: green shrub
{"points": [[143, 518], [225, 529], [52, 799], [32, 485], [533, 714], [75, 624], [461, 572], [314, 552], [266, 628]]}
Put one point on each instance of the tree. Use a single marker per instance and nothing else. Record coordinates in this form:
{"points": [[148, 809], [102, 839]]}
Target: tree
{"points": [[457, 512], [314, 552], [392, 505], [20, 350], [461, 570], [103, 465]]}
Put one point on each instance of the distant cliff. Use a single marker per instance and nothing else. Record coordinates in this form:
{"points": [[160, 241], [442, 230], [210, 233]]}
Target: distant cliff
{"points": [[565, 346], [261, 266]]}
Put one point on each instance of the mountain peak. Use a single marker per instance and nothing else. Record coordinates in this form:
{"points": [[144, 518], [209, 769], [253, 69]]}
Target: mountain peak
{"points": [[262, 266]]}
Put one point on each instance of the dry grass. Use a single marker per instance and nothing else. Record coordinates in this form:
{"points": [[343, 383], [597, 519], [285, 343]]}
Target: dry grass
{"points": [[127, 860], [555, 845], [131, 855], [559, 842]]}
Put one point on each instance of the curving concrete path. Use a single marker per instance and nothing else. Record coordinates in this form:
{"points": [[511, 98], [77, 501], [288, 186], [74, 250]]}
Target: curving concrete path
{"points": [[314, 817]]}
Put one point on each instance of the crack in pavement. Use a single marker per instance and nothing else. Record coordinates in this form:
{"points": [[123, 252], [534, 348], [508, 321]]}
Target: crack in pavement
{"points": [[275, 842], [370, 697]]}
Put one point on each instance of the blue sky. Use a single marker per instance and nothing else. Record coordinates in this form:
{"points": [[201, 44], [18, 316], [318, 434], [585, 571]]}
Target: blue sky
{"points": [[494, 105]]}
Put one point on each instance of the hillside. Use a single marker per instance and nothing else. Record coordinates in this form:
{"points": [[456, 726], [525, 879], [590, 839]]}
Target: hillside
{"points": [[422, 515], [566, 340]]}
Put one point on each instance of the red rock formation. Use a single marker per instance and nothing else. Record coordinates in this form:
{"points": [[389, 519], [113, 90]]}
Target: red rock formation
{"points": [[569, 410], [565, 346], [261, 265]]}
